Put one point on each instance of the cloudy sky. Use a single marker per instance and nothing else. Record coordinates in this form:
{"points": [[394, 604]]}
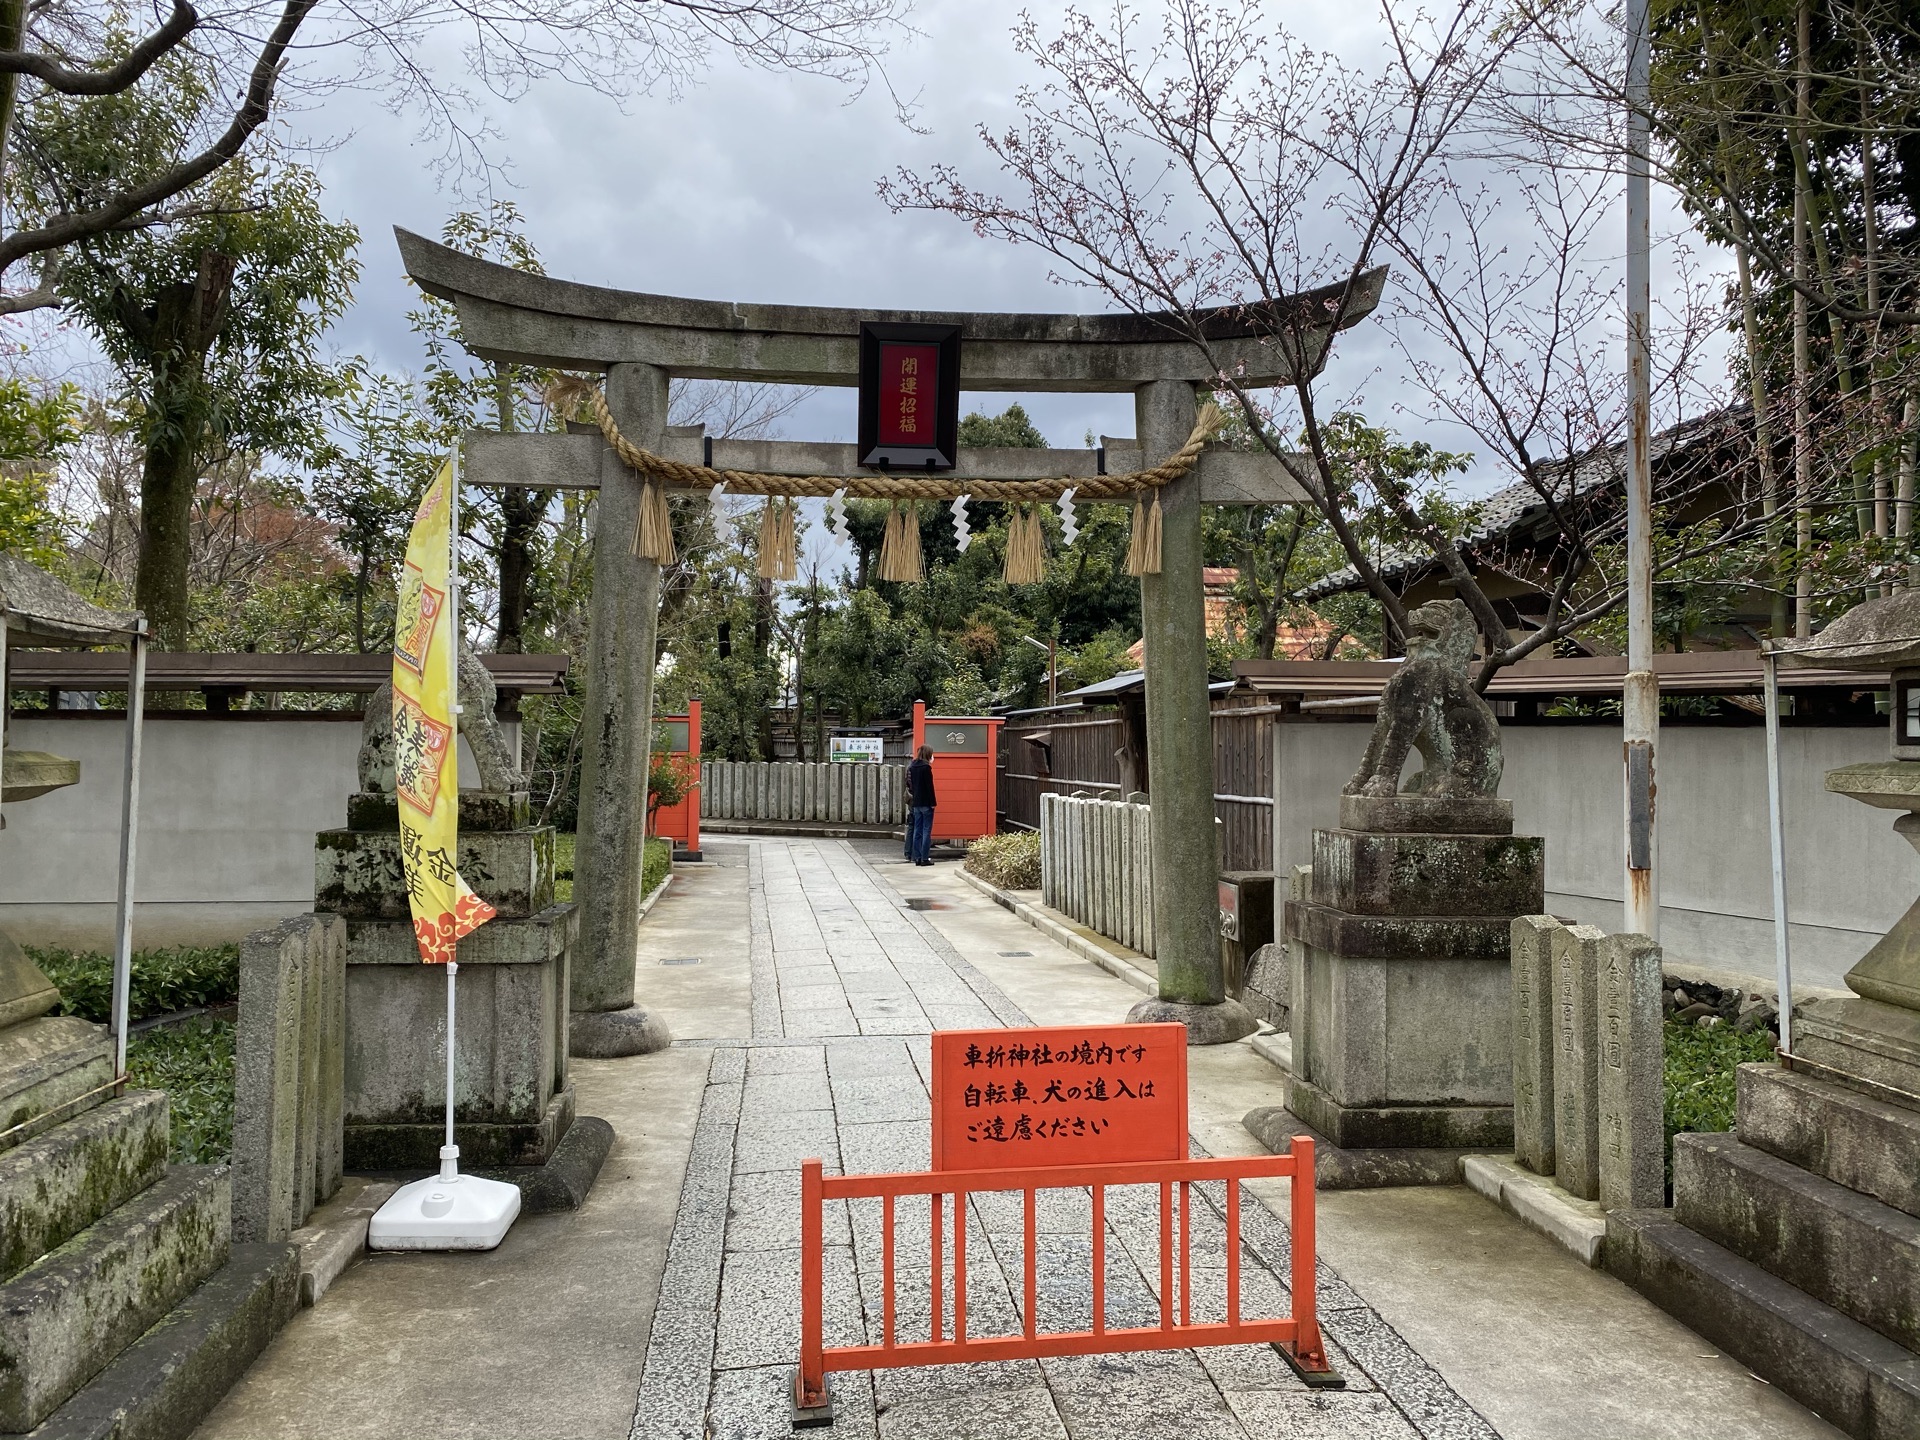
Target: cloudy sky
{"points": [[758, 186]]}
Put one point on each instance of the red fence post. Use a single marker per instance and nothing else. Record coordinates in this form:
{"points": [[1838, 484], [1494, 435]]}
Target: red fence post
{"points": [[1307, 1354], [811, 1405]]}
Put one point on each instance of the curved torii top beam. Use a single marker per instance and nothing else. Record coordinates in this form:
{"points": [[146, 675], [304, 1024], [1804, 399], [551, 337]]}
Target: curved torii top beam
{"points": [[508, 315]]}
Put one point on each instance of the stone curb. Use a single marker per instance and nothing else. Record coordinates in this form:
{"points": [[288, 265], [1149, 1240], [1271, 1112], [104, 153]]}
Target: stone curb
{"points": [[801, 829], [654, 895], [334, 1239], [563, 1182], [1276, 1048], [1113, 958], [1577, 1226]]}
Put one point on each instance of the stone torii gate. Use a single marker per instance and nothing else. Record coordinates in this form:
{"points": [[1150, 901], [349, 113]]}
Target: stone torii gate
{"points": [[640, 342]]}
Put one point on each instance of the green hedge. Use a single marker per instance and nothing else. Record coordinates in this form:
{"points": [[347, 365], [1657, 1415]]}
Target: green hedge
{"points": [[162, 980], [1699, 1073], [1010, 862], [658, 862], [193, 1063]]}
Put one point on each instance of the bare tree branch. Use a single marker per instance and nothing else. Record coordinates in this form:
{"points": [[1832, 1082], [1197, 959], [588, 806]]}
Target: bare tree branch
{"points": [[57, 75]]}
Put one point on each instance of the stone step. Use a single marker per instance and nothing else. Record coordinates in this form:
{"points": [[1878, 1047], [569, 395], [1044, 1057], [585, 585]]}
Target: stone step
{"points": [[51, 1069], [65, 1318], [1847, 1374], [1843, 1248], [54, 1186], [164, 1384], [1849, 1137]]}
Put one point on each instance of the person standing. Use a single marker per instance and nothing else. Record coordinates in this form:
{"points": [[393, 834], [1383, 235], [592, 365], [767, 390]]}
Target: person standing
{"points": [[920, 803]]}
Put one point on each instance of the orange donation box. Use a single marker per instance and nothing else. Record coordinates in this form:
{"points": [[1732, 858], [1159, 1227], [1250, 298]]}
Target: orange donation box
{"points": [[679, 736], [965, 771]]}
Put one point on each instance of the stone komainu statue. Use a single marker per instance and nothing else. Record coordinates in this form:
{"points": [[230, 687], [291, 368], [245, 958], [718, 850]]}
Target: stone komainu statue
{"points": [[1431, 705], [491, 756]]}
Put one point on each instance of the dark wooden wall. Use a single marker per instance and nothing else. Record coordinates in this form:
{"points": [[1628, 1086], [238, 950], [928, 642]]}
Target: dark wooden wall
{"points": [[1080, 756]]}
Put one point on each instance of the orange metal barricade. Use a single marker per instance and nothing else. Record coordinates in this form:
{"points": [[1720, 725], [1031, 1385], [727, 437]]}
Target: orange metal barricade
{"points": [[1296, 1336]]}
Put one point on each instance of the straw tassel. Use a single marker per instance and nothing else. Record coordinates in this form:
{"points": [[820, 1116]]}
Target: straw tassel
{"points": [[777, 556], [1143, 551], [653, 530], [900, 547], [1026, 562]]}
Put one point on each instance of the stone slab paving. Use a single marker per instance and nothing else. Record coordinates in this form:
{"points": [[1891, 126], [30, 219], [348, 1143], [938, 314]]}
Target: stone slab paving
{"points": [[848, 983]]}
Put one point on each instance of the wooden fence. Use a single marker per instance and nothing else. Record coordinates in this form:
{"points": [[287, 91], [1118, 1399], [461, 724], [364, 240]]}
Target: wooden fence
{"points": [[791, 790], [1068, 750], [1096, 866]]}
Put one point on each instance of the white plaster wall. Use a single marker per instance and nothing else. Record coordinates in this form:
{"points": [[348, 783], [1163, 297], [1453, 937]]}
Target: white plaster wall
{"points": [[228, 812], [1848, 876]]}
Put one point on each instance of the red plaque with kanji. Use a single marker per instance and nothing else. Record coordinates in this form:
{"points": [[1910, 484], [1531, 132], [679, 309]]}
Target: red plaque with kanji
{"points": [[909, 389], [909, 396], [1059, 1095]]}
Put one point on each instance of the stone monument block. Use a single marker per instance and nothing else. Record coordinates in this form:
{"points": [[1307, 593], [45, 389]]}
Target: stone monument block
{"points": [[1577, 952], [1633, 1167], [1533, 1042], [1405, 874], [360, 873], [513, 1095], [286, 1126]]}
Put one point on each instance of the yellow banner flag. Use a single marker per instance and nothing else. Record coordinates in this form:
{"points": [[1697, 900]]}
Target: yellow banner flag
{"points": [[425, 755]]}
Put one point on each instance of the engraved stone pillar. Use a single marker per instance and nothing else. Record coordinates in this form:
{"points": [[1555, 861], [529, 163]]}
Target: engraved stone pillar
{"points": [[1576, 962], [1633, 1168], [1533, 1041]]}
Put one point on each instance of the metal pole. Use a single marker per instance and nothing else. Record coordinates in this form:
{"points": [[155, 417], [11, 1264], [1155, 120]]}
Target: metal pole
{"points": [[129, 835], [453, 971], [450, 1156], [1640, 696], [1777, 844], [4, 707]]}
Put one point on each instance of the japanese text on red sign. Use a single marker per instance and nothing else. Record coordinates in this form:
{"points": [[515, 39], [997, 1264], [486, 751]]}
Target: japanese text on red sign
{"points": [[909, 385], [1062, 1096]]}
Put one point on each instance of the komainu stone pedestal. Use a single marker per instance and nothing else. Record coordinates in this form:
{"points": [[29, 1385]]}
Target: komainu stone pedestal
{"points": [[513, 1098], [1402, 1031]]}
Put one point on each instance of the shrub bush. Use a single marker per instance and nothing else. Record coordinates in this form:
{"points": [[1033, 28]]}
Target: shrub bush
{"points": [[654, 868], [1011, 862], [162, 980], [193, 1063]]}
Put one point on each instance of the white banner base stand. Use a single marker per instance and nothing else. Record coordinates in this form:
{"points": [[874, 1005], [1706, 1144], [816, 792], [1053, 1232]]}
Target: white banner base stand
{"points": [[448, 1211]]}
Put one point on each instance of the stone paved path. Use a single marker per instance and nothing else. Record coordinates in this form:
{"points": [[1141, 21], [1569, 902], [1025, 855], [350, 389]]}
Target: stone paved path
{"points": [[847, 983]]}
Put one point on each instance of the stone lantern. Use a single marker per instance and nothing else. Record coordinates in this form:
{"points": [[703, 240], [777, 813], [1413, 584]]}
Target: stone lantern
{"points": [[1876, 1037]]}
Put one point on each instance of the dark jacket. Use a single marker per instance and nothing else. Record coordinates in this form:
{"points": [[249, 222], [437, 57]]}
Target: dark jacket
{"points": [[920, 783]]}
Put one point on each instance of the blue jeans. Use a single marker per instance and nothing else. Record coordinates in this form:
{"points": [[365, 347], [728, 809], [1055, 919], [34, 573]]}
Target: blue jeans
{"points": [[920, 833]]}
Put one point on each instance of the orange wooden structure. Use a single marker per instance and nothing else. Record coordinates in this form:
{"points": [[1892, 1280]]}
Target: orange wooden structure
{"points": [[680, 735], [1048, 1087], [965, 774]]}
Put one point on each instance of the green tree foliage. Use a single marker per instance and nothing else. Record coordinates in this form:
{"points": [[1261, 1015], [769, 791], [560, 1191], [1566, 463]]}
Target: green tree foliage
{"points": [[214, 321], [1010, 427], [461, 393], [366, 481], [36, 425], [1791, 132]]}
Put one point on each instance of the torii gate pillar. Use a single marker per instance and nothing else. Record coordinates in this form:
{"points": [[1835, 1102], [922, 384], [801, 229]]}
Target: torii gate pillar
{"points": [[1173, 627], [617, 724]]}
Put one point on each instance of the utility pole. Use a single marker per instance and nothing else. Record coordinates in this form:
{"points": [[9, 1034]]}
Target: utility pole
{"points": [[1640, 698]]}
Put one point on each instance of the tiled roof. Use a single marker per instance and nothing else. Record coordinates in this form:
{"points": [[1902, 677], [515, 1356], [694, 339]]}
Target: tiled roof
{"points": [[1520, 504]]}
